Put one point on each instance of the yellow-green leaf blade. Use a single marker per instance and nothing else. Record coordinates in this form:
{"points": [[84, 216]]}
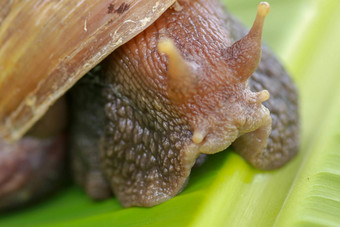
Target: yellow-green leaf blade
{"points": [[315, 194]]}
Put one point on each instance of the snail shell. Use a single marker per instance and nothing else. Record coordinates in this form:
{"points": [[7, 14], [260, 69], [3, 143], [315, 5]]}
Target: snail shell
{"points": [[47, 46]]}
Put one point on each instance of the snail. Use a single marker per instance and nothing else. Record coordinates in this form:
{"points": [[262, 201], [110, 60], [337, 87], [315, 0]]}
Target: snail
{"points": [[178, 85]]}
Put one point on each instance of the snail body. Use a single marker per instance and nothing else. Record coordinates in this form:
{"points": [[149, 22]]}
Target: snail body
{"points": [[177, 90]]}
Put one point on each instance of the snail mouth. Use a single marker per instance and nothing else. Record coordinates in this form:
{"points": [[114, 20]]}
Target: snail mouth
{"points": [[211, 143]]}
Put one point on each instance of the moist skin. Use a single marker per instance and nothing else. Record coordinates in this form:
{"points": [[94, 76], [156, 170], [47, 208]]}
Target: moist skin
{"points": [[186, 86]]}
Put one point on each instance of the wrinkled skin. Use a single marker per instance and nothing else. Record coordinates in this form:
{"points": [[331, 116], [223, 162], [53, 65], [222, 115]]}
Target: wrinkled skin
{"points": [[133, 124], [146, 148], [283, 142]]}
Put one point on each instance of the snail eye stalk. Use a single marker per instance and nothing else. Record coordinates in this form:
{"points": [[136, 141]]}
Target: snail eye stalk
{"points": [[245, 54], [181, 80]]}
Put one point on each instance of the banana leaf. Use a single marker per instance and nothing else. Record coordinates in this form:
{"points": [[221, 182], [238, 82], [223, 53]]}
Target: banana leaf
{"points": [[226, 191]]}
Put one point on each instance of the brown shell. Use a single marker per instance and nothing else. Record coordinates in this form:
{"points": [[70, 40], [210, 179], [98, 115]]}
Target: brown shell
{"points": [[47, 46]]}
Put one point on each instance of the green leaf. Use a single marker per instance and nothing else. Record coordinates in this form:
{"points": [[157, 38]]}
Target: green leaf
{"points": [[226, 191]]}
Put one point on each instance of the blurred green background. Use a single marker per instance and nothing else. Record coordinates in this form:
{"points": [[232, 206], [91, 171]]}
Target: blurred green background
{"points": [[226, 191]]}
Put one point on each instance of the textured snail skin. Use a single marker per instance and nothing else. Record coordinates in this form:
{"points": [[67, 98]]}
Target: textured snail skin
{"points": [[157, 124], [283, 142]]}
